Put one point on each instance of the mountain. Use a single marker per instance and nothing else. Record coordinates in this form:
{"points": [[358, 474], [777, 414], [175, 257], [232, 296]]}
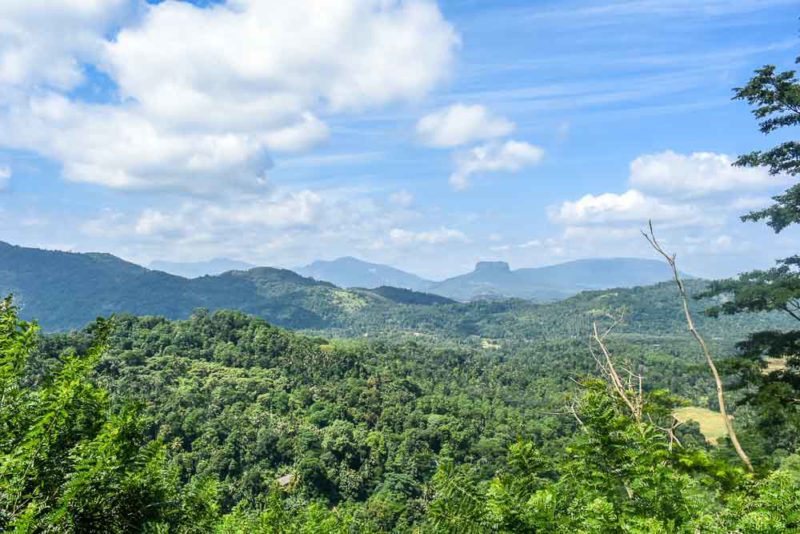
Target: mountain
{"points": [[496, 279], [352, 272], [200, 268], [65, 290]]}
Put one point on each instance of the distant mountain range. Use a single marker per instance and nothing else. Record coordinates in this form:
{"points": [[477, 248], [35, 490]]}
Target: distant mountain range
{"points": [[66, 290], [352, 272], [495, 279], [197, 269]]}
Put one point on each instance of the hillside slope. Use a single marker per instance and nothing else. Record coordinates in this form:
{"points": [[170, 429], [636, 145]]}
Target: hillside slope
{"points": [[65, 290], [196, 269]]}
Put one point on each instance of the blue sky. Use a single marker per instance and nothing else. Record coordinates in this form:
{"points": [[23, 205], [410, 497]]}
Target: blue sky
{"points": [[428, 136]]}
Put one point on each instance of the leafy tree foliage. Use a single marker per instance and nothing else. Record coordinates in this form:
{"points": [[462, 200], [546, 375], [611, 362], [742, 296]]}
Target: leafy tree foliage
{"points": [[615, 475], [773, 412], [225, 423], [67, 462], [775, 97]]}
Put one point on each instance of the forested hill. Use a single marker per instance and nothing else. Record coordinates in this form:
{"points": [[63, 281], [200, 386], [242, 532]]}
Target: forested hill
{"points": [[284, 432], [64, 290], [197, 269], [496, 279]]}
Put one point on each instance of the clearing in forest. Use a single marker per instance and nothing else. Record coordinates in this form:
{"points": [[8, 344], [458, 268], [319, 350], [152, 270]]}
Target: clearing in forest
{"points": [[711, 423]]}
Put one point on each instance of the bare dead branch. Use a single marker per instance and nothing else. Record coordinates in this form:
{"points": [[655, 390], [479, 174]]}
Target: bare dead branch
{"points": [[670, 258], [575, 414], [669, 431], [611, 372]]}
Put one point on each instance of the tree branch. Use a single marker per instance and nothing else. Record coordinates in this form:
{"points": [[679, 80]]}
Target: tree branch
{"points": [[670, 258]]}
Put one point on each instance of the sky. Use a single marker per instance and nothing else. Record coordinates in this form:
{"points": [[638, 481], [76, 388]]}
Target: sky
{"points": [[425, 135]]}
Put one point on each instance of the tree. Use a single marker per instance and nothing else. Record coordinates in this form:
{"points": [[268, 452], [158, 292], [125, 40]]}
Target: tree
{"points": [[69, 462], [618, 473], [775, 98], [670, 258]]}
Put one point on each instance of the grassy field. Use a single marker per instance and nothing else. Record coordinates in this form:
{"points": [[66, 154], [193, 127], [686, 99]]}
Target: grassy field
{"points": [[711, 423], [490, 344], [774, 364]]}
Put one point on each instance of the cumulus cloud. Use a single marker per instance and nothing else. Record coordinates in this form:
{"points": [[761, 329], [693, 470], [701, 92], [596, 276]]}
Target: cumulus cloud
{"points": [[305, 133], [44, 42], [300, 224], [5, 176], [631, 206], [121, 148], [242, 80], [438, 236], [672, 188], [276, 57], [510, 156], [694, 199], [696, 174], [460, 124], [292, 210]]}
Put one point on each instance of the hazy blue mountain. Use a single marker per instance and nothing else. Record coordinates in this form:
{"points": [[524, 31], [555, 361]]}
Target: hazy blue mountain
{"points": [[497, 280], [489, 279], [200, 268], [580, 275], [64, 290], [352, 272]]}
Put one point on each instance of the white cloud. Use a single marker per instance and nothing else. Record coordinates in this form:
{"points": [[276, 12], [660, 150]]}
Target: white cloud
{"points": [[694, 175], [240, 81], [747, 203], [460, 124], [533, 243], [273, 57], [303, 208], [301, 225], [438, 236], [695, 201], [43, 42], [154, 222], [724, 241], [307, 132], [510, 156], [401, 198], [674, 189], [5, 176], [121, 148], [631, 206]]}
